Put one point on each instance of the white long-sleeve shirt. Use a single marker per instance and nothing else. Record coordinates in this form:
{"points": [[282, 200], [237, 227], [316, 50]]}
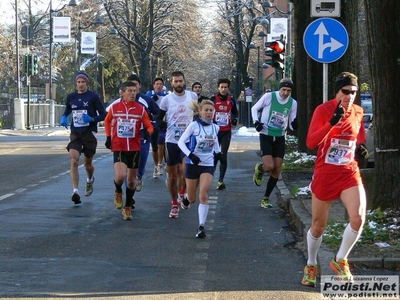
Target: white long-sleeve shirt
{"points": [[203, 142]]}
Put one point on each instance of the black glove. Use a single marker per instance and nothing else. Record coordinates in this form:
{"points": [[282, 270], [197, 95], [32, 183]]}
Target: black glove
{"points": [[338, 114], [162, 124], [155, 97], [258, 125], [362, 151], [295, 124], [195, 159], [146, 134], [108, 142], [234, 122], [221, 157]]}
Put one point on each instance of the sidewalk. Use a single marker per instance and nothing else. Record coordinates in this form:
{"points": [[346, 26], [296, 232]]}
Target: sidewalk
{"points": [[43, 131]]}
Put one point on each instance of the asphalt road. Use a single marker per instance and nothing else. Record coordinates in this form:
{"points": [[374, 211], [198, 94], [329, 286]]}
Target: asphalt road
{"points": [[51, 248]]}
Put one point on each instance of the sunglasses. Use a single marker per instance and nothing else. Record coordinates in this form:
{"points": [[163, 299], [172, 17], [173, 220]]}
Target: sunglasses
{"points": [[348, 92]]}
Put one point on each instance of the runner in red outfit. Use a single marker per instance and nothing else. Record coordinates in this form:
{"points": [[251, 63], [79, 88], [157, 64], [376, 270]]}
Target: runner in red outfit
{"points": [[337, 130]]}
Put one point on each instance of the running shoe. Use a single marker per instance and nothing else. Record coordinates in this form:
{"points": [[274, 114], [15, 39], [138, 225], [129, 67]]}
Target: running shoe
{"points": [[257, 177], [174, 211], [185, 204], [310, 275], [76, 198], [265, 202], [342, 269], [200, 232], [155, 172], [118, 203], [89, 188], [126, 213], [159, 169], [180, 197], [221, 185], [139, 184]]}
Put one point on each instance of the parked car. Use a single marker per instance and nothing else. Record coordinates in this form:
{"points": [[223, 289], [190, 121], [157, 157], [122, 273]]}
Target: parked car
{"points": [[366, 104]]}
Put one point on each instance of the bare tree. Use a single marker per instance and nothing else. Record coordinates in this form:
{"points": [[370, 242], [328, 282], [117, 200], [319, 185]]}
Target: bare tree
{"points": [[149, 30], [241, 18]]}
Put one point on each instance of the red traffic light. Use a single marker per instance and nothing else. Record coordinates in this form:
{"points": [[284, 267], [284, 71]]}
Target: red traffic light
{"points": [[277, 46]]}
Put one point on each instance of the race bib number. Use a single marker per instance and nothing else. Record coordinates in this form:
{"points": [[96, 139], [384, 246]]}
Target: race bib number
{"points": [[126, 128], [207, 144], [340, 152], [77, 118], [277, 120], [179, 129], [222, 118]]}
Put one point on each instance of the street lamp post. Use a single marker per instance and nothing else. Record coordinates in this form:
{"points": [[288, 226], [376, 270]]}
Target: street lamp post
{"points": [[71, 3], [113, 31]]}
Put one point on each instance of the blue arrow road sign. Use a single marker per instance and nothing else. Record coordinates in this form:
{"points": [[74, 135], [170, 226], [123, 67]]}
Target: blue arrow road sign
{"points": [[325, 40]]}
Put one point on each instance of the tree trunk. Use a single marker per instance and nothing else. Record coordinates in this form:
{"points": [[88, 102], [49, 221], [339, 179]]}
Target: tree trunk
{"points": [[384, 58]]}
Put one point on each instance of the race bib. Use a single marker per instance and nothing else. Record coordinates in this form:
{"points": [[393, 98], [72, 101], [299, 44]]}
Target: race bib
{"points": [[179, 129], [340, 152], [126, 128], [277, 120], [222, 118], [207, 144], [77, 118]]}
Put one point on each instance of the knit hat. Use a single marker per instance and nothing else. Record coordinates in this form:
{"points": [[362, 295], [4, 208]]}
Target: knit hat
{"points": [[134, 77], [286, 82], [82, 75], [196, 83], [345, 78]]}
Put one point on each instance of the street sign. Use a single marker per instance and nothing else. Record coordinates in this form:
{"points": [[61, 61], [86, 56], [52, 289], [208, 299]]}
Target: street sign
{"points": [[325, 40], [27, 32], [325, 8], [249, 92]]}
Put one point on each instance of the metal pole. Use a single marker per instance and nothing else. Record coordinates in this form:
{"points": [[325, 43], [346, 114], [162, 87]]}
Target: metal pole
{"points": [[51, 53], [28, 119], [79, 46], [325, 82], [17, 50], [258, 73], [96, 71]]}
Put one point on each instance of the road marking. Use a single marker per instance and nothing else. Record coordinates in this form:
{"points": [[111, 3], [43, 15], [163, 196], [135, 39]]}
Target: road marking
{"points": [[44, 180], [5, 196]]}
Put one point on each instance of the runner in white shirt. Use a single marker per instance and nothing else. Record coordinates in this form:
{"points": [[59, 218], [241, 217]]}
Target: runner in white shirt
{"points": [[176, 107], [203, 144]]}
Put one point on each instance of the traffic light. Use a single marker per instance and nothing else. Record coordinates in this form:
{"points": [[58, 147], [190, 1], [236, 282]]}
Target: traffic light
{"points": [[26, 64], [35, 65], [277, 53], [288, 66]]}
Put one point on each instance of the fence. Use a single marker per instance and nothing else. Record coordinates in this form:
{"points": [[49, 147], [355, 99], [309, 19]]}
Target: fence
{"points": [[39, 114]]}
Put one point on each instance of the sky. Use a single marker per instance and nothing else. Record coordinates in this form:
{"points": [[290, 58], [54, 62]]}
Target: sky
{"points": [[7, 13]]}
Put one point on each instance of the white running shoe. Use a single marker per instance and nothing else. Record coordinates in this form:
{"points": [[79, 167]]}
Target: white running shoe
{"points": [[155, 172], [139, 184]]}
